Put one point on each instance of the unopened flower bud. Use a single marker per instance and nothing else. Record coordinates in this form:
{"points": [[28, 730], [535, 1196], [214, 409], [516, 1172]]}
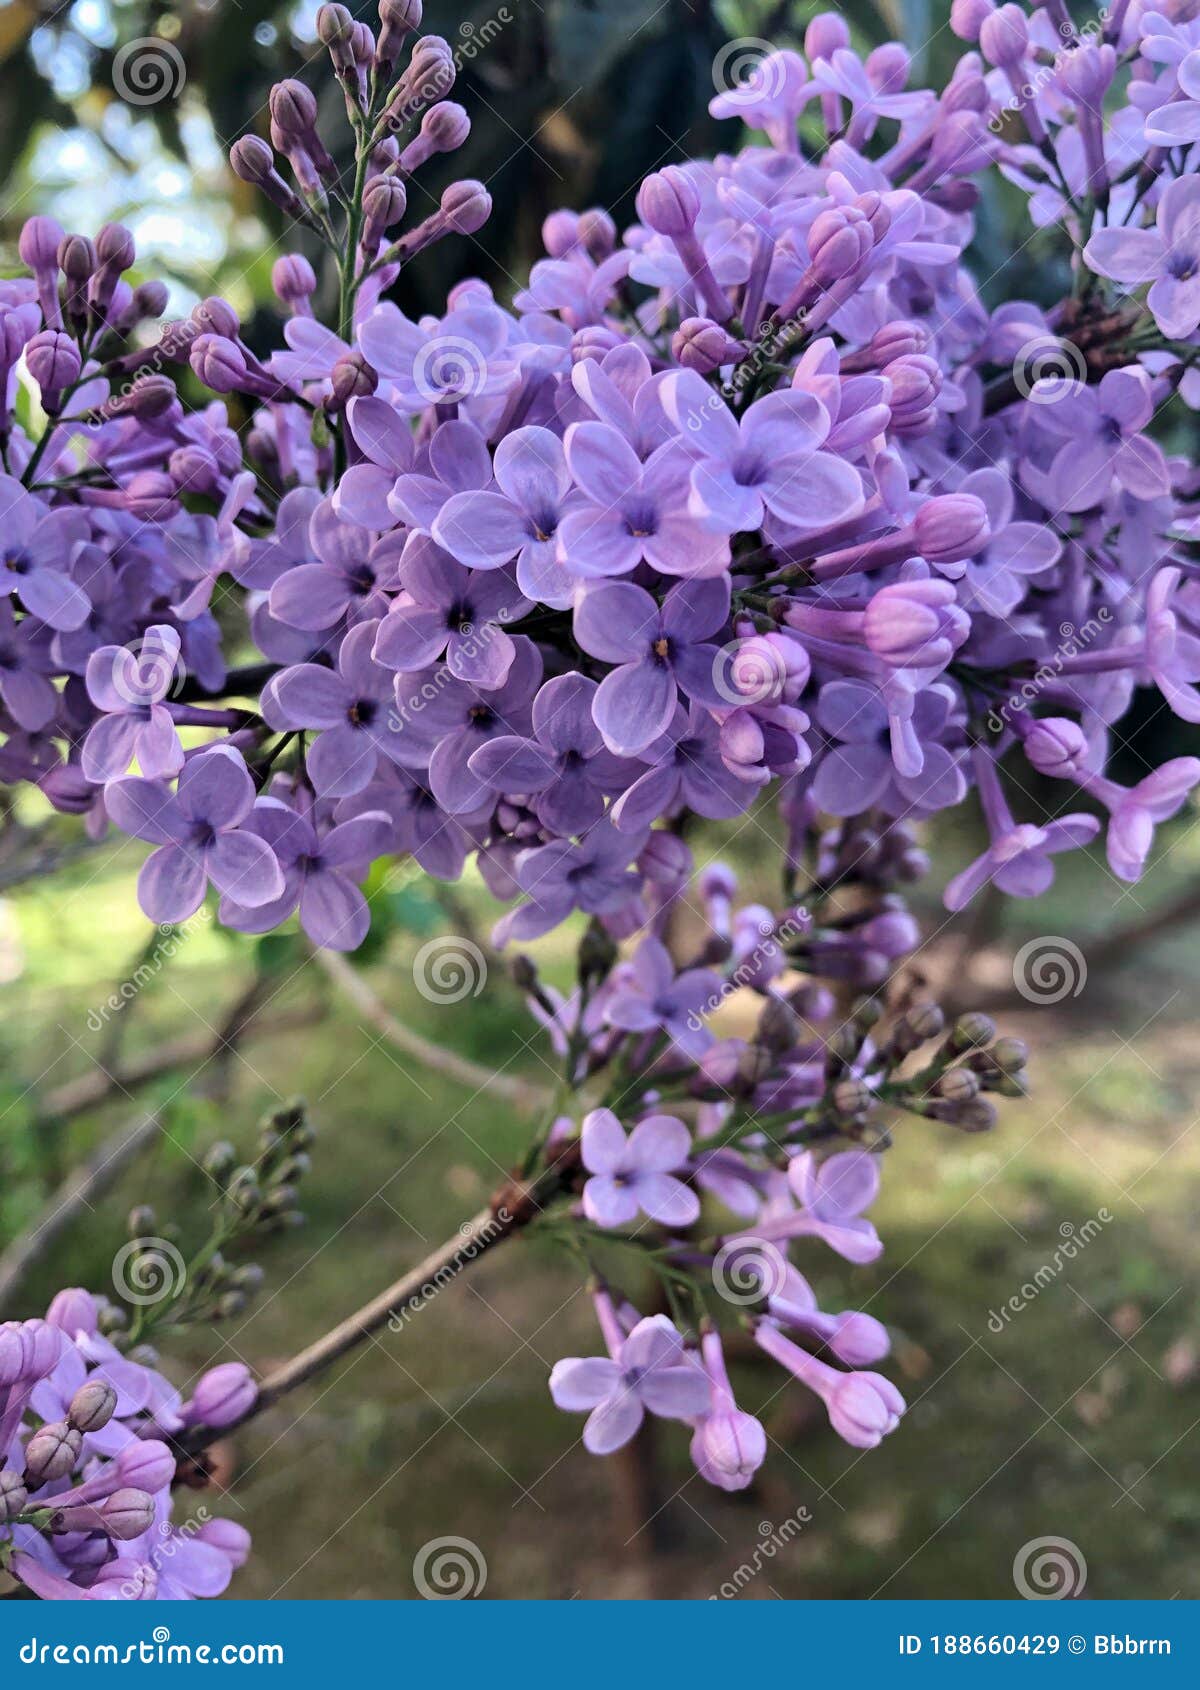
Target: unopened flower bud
{"points": [[466, 207], [668, 202], [293, 108], [1004, 37], [141, 1221], [222, 1396], [53, 361], [445, 127], [826, 35], [1058, 747], [193, 469], [293, 279], [13, 1496], [851, 1096], [92, 1406], [700, 344], [115, 247], [972, 1030], [951, 527], [778, 1026], [220, 1161], [1010, 1055], [52, 1453], [352, 378], [957, 1085]]}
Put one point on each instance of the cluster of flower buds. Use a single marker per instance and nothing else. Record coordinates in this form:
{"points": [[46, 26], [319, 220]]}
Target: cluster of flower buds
{"points": [[87, 1467]]}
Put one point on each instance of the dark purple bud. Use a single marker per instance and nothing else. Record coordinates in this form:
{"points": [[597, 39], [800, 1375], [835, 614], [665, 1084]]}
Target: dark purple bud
{"points": [[1004, 37], [150, 396], [293, 279], [216, 316], [598, 233], [668, 202], [352, 378], [219, 363], [700, 344], [335, 28], [13, 1496], [76, 259], [466, 207], [92, 1406], [194, 470], [51, 1453], [826, 34], [293, 108], [593, 342], [114, 247], [39, 242], [362, 45], [54, 363], [951, 528], [252, 160], [1057, 746], [222, 1396], [838, 242], [150, 299]]}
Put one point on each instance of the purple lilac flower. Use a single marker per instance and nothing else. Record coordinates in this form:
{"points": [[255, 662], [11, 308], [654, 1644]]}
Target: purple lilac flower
{"points": [[1018, 858], [319, 874], [25, 686], [1101, 432], [1167, 256], [766, 461], [352, 708], [564, 766], [450, 610], [728, 1445], [636, 1173], [593, 875], [651, 995], [129, 685], [35, 554], [348, 579], [655, 649], [862, 1407], [633, 512], [648, 1369], [199, 836]]}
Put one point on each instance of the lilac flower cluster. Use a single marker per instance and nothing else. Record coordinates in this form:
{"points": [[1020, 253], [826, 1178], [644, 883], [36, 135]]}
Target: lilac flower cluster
{"points": [[86, 1474], [756, 496], [739, 497]]}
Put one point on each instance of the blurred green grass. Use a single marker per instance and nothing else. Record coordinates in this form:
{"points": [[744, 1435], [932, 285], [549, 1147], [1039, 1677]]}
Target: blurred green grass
{"points": [[1076, 1419]]}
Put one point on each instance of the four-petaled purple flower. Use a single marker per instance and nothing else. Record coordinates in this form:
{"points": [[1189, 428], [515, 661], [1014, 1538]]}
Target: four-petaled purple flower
{"points": [[648, 1370], [129, 685], [636, 1172]]}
